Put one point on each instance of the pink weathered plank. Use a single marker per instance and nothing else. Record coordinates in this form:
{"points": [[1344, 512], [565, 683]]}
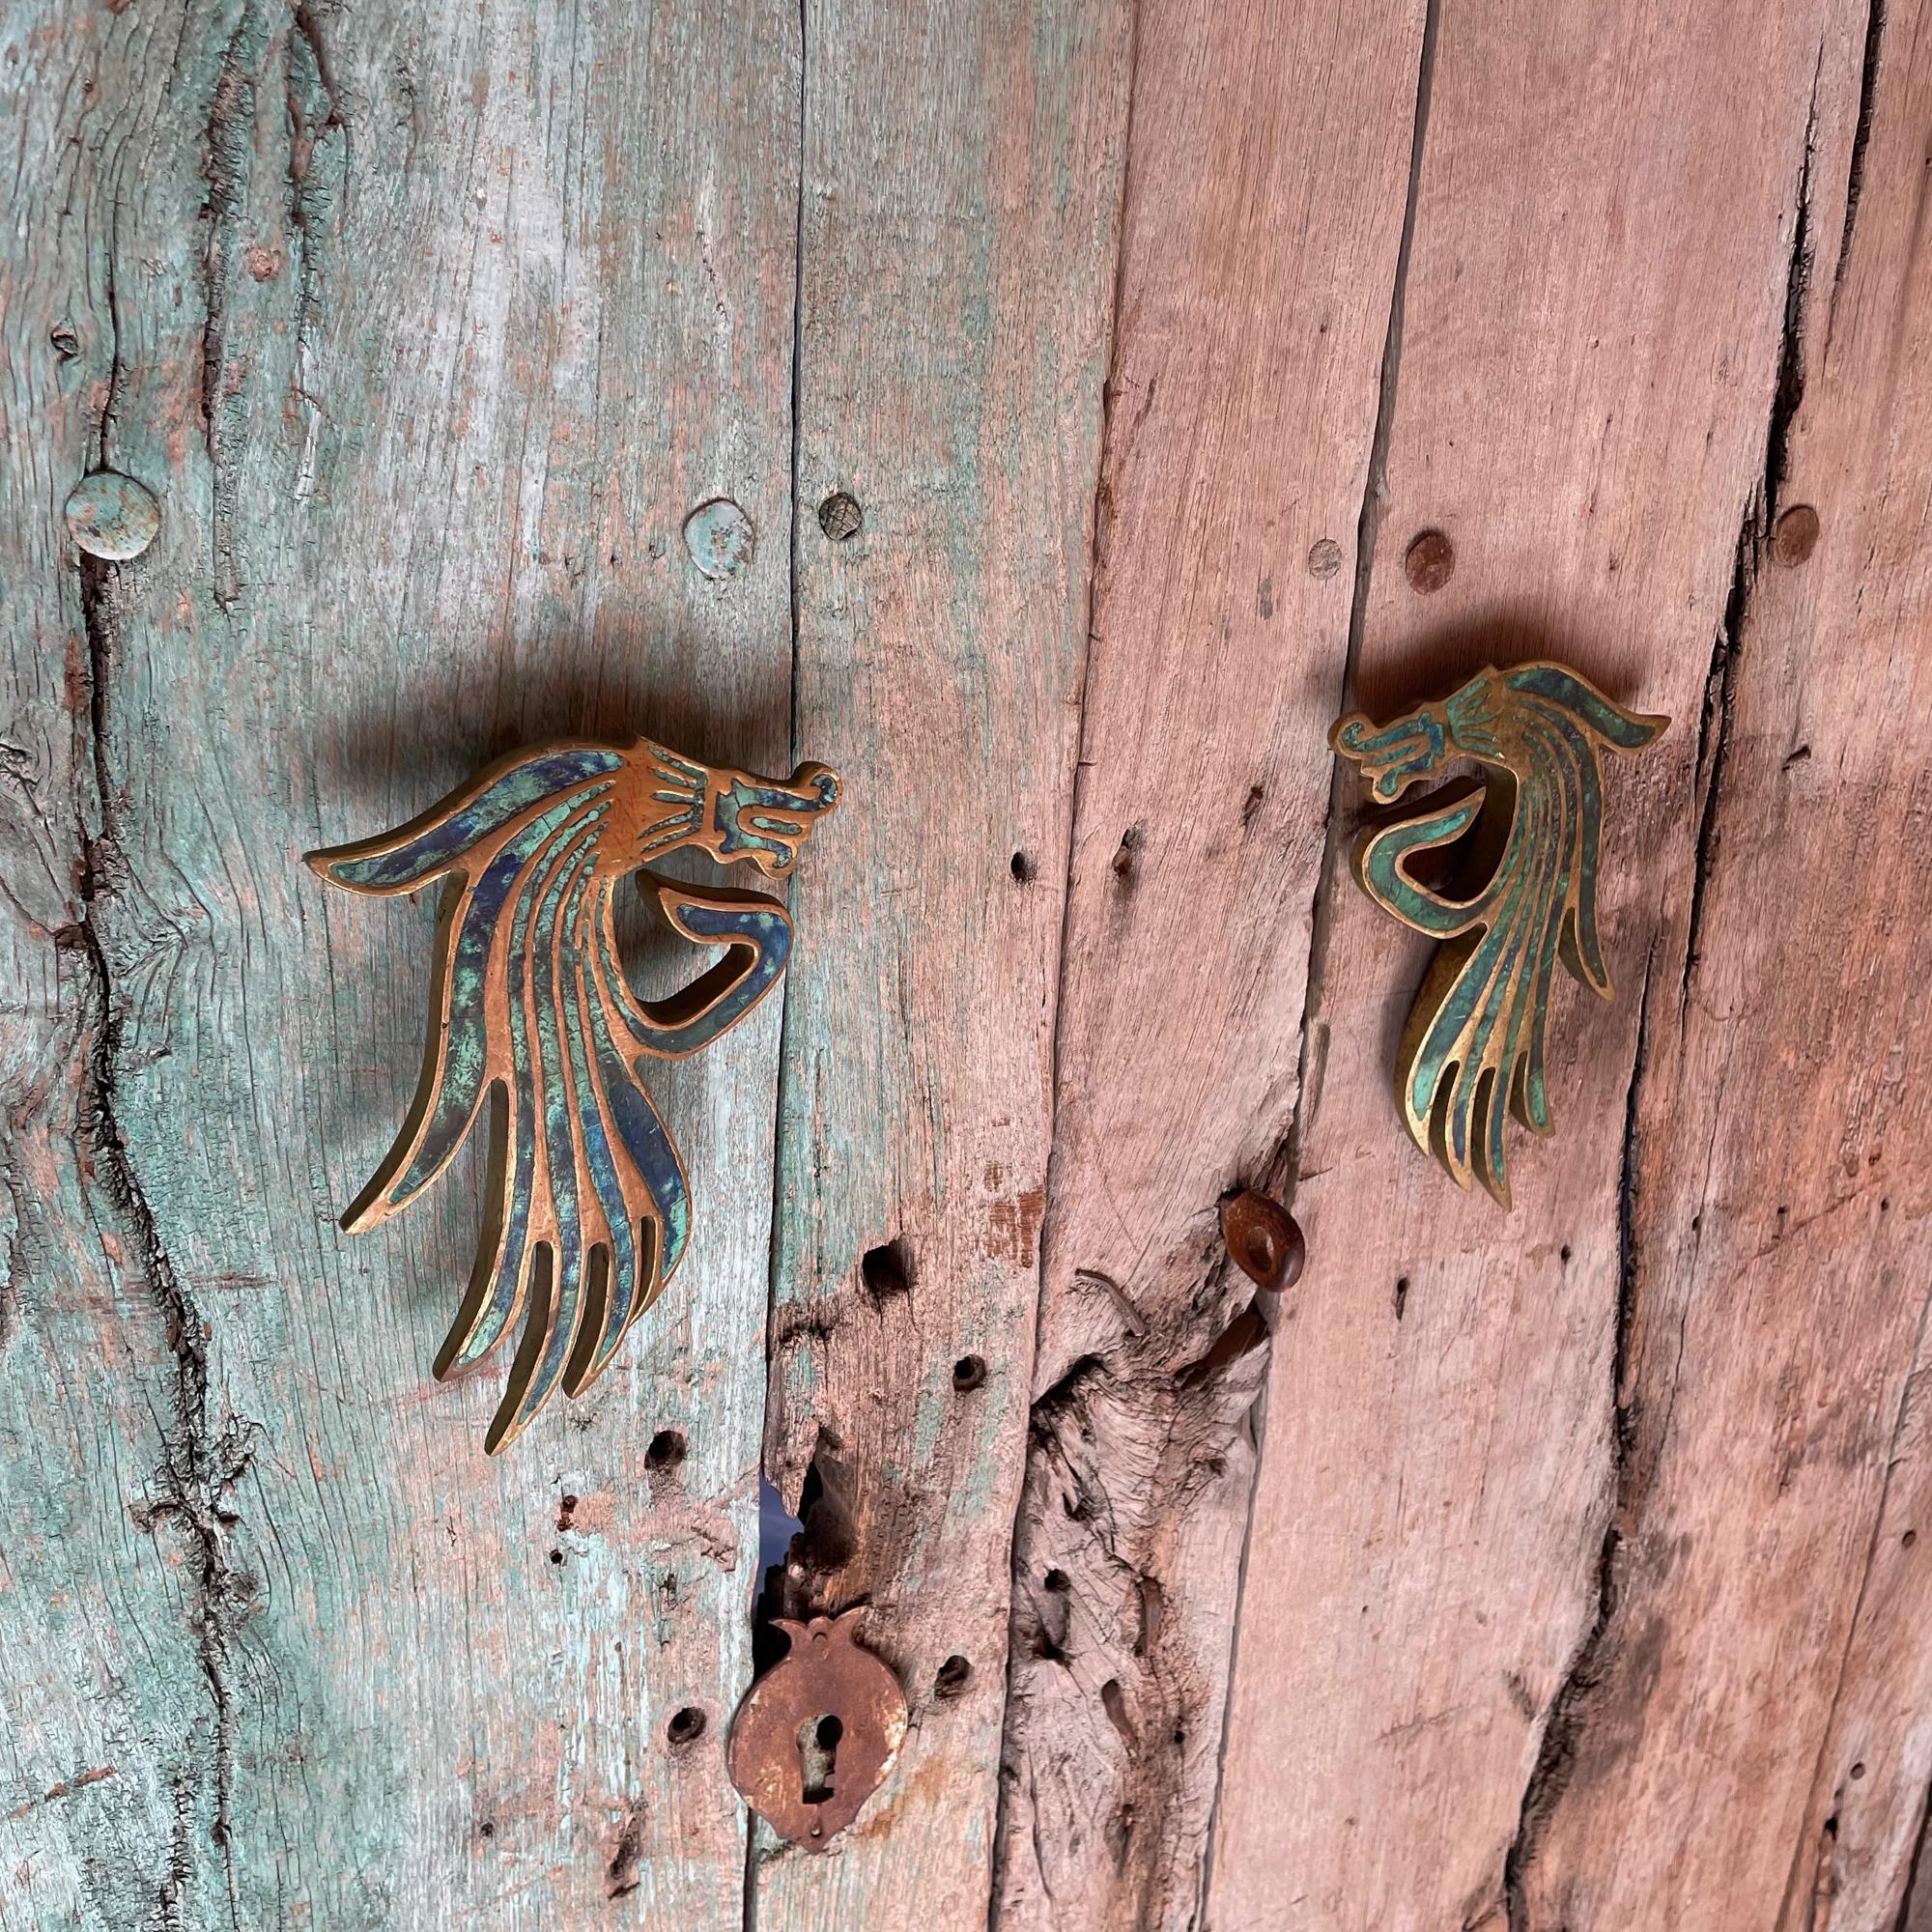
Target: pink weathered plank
{"points": [[1266, 180], [1749, 1744], [1590, 339], [961, 195]]}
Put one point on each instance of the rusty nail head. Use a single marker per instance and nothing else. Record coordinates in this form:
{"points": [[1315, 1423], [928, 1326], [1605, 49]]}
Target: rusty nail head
{"points": [[1264, 1240], [840, 515], [1324, 558], [1430, 561], [1795, 535]]}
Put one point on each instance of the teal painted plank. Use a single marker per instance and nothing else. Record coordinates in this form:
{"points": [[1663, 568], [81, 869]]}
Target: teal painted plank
{"points": [[486, 305], [961, 191], [109, 1741]]}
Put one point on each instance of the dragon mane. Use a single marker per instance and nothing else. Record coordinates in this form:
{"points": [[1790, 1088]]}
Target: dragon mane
{"points": [[1474, 1039]]}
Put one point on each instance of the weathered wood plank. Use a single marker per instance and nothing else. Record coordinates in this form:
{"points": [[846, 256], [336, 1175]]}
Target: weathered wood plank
{"points": [[962, 196], [1267, 178], [432, 328], [1751, 1743], [110, 1791], [1589, 346]]}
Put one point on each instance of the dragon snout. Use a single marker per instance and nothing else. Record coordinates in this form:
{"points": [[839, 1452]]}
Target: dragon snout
{"points": [[767, 822], [1397, 755]]}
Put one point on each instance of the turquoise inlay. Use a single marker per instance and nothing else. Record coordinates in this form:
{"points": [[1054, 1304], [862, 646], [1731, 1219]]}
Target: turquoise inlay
{"points": [[579, 998], [1566, 693], [466, 1057], [1475, 982], [554, 1105], [638, 1124], [749, 818], [514, 1242], [1474, 1047], [1532, 864], [439, 844], [532, 1006], [1383, 876]]}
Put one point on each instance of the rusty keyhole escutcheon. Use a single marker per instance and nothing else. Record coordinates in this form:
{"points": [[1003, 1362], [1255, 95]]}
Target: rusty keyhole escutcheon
{"points": [[816, 1735]]}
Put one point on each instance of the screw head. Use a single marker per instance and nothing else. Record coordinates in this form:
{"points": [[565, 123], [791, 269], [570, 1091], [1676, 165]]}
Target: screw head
{"points": [[1430, 562], [1324, 558], [111, 516], [1795, 535]]}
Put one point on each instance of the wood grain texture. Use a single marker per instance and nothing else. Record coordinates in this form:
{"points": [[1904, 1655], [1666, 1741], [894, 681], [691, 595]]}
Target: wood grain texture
{"points": [[960, 199], [429, 329], [1267, 178], [1589, 344], [107, 1792], [1774, 1486]]}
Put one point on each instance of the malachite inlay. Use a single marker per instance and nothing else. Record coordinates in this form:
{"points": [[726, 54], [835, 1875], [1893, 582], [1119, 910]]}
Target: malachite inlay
{"points": [[1473, 1047], [588, 1210]]}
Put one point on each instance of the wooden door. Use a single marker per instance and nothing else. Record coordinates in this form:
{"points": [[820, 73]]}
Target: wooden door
{"points": [[1031, 409]]}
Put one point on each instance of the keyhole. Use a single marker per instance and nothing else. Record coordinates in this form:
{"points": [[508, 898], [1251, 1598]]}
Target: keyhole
{"points": [[818, 1759]]}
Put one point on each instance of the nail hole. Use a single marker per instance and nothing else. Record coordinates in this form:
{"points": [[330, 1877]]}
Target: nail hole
{"points": [[686, 1725], [1564, 1251], [1023, 869], [952, 1677], [1401, 1295], [1858, 1771], [969, 1373], [886, 1271], [487, 1830], [839, 517], [557, 1556], [1058, 1581], [668, 1450], [1910, 1537]]}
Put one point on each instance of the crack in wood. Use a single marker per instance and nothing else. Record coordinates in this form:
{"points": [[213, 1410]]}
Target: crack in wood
{"points": [[1567, 1711], [1852, 1623], [200, 1466], [318, 166], [1854, 173], [1760, 514], [1789, 390], [228, 145]]}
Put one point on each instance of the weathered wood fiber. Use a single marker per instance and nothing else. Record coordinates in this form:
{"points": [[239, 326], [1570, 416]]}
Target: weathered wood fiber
{"points": [[960, 199], [428, 328], [1265, 185], [1750, 1742], [105, 1774], [1589, 341]]}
